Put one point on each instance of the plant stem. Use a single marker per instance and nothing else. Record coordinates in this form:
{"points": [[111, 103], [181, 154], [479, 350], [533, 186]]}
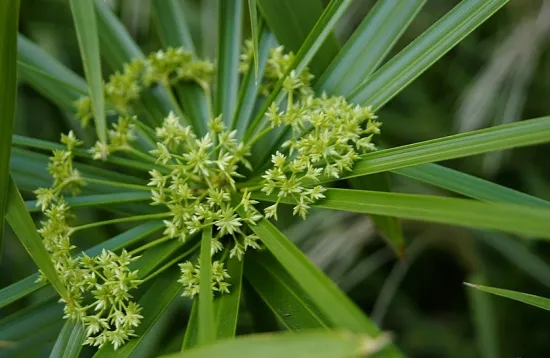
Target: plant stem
{"points": [[120, 220], [151, 244], [259, 136], [172, 262], [175, 104], [116, 184]]}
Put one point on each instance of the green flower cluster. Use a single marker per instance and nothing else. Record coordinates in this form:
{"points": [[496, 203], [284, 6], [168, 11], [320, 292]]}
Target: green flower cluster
{"points": [[98, 287], [190, 278], [198, 179], [198, 183], [277, 65], [119, 138], [164, 67], [328, 136]]}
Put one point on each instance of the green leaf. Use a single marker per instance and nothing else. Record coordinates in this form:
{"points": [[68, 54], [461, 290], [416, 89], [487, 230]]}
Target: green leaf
{"points": [[253, 9], [154, 302], [154, 256], [171, 24], [226, 306], [48, 76], [23, 227], [330, 300], [369, 45], [227, 81], [250, 87], [69, 342], [29, 285], [518, 134], [485, 321], [469, 186], [9, 19], [532, 300], [30, 320], [206, 330], [306, 345], [97, 200], [291, 22], [390, 227], [282, 294], [190, 338], [263, 318], [423, 52], [86, 32], [522, 220]]}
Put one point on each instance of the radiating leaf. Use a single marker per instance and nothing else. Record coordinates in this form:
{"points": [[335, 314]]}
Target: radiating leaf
{"points": [[306, 345], [171, 24], [229, 50], [369, 45], [282, 294], [522, 220], [485, 321], [328, 298], [190, 338], [291, 22], [48, 76], [540, 302], [253, 10], [70, 340], [9, 19], [86, 32], [97, 200], [250, 88], [226, 306], [206, 330], [423, 52], [528, 132], [469, 185], [23, 227], [30, 320]]}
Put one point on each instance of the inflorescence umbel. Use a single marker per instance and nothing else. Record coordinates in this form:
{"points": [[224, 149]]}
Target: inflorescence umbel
{"points": [[197, 180]]}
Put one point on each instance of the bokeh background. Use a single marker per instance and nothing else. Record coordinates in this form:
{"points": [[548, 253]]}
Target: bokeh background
{"points": [[498, 74]]}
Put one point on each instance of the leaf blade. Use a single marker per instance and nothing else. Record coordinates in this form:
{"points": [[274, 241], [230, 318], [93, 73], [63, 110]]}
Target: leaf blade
{"points": [[418, 56], [86, 30], [206, 331], [368, 45], [537, 301], [69, 342], [23, 226], [9, 20], [516, 219], [226, 307]]}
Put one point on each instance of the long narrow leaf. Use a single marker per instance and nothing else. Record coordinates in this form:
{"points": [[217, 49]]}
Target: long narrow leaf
{"points": [[307, 345], [527, 221], [226, 307], [540, 302], [23, 226], [70, 340], [292, 21], [282, 294], [416, 58], [253, 10], [171, 24], [469, 185], [528, 132], [86, 31], [206, 330], [227, 82], [330, 300], [9, 19], [368, 45]]}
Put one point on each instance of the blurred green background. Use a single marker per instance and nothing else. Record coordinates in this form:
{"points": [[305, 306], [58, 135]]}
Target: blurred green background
{"points": [[498, 74]]}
